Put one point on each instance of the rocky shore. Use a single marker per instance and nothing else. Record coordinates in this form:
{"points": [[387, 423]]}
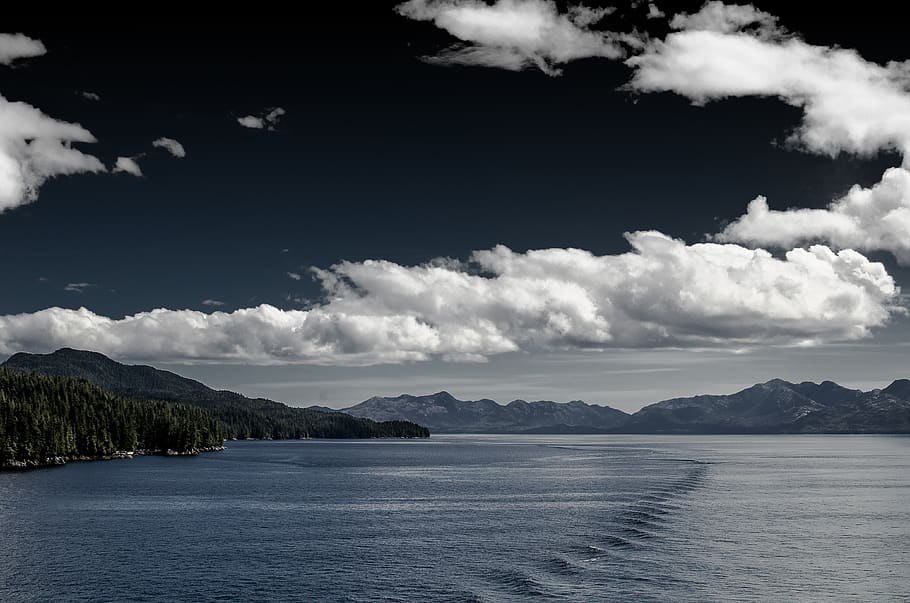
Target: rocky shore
{"points": [[53, 461]]}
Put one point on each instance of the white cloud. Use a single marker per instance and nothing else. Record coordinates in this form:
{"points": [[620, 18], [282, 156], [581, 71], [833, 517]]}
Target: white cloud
{"points": [[212, 302], [849, 104], [34, 148], [77, 287], [294, 275], [875, 218], [19, 46], [654, 12], [727, 18], [170, 145], [515, 34], [268, 120], [128, 165], [92, 96], [662, 294], [250, 121]]}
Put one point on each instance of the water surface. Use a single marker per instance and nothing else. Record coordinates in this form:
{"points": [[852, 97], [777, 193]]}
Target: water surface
{"points": [[470, 518]]}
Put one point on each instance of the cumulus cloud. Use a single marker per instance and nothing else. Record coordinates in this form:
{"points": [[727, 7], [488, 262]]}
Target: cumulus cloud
{"points": [[19, 46], [874, 218], [92, 96], [128, 165], [34, 148], [267, 121], [516, 34], [294, 275], [662, 293], [170, 145], [849, 104], [212, 302], [251, 121], [654, 12], [728, 18]]}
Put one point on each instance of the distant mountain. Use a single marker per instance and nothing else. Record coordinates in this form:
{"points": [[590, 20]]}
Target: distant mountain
{"points": [[776, 406], [243, 417], [443, 413], [770, 406]]}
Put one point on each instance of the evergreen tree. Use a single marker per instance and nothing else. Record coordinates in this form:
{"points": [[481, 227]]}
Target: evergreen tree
{"points": [[43, 417]]}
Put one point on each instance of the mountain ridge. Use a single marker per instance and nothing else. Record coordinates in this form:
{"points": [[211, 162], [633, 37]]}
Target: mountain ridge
{"points": [[243, 417], [775, 406]]}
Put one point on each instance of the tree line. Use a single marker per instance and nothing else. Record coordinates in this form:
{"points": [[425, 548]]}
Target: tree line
{"points": [[267, 420], [43, 417]]}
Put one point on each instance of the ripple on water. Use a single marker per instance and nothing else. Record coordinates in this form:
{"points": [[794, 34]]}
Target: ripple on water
{"points": [[580, 518]]}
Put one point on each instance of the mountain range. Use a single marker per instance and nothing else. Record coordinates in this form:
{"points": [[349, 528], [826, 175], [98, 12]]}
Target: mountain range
{"points": [[447, 414], [775, 406]]}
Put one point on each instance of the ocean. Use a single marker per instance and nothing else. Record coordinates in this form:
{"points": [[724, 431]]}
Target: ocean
{"points": [[470, 518]]}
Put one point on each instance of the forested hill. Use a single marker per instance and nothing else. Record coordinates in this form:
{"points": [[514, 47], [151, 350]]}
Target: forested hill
{"points": [[242, 417], [50, 420]]}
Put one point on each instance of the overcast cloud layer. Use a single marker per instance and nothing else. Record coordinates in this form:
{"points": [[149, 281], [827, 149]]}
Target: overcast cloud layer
{"points": [[662, 293]]}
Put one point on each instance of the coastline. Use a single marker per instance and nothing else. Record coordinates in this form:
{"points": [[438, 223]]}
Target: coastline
{"points": [[56, 461]]}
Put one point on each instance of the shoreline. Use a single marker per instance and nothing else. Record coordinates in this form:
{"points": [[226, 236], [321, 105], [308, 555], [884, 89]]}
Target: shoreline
{"points": [[58, 461]]}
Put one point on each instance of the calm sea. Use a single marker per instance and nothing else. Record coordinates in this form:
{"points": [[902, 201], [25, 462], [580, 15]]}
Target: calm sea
{"points": [[470, 518]]}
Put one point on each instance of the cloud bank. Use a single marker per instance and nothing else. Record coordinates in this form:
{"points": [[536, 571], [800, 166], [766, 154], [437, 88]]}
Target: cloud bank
{"points": [[515, 34], [663, 293], [19, 46]]}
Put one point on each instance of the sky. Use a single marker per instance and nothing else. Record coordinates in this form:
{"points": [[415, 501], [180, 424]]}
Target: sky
{"points": [[510, 199]]}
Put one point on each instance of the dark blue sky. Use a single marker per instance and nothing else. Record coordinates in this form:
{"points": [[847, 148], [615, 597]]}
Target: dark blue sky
{"points": [[379, 155]]}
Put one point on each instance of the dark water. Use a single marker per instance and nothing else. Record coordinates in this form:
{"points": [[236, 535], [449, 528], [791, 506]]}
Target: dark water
{"points": [[467, 518]]}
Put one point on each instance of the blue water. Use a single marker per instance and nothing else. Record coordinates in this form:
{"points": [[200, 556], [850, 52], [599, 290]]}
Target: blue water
{"points": [[470, 518]]}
